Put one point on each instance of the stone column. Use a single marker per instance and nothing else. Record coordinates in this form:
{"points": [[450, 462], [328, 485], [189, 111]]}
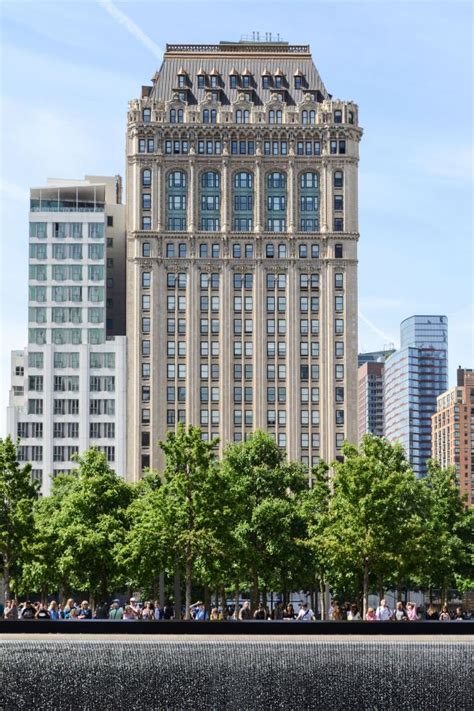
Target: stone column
{"points": [[225, 196], [191, 211], [157, 192], [291, 192], [292, 366], [259, 193]]}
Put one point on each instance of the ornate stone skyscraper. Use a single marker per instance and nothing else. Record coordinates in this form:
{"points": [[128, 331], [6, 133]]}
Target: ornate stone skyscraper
{"points": [[242, 252]]}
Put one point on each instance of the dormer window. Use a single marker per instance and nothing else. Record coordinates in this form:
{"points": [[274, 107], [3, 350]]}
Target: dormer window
{"points": [[265, 82], [214, 82], [298, 82], [278, 82], [233, 81], [201, 81], [246, 82], [176, 116], [181, 81]]}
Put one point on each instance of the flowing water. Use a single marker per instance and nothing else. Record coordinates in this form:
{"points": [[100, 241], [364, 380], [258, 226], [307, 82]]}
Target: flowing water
{"points": [[237, 674]]}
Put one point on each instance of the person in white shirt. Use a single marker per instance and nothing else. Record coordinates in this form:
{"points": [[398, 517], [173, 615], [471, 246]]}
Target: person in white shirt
{"points": [[383, 612], [305, 614]]}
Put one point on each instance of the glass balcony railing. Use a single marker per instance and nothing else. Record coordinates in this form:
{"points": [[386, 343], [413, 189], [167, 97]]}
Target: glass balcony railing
{"points": [[55, 206]]}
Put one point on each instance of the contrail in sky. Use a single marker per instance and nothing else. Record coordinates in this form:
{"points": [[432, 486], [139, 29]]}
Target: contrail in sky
{"points": [[387, 339], [131, 27]]}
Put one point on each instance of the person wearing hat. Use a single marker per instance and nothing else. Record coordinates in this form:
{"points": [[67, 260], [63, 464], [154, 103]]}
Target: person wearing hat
{"points": [[116, 611], [135, 608], [85, 613]]}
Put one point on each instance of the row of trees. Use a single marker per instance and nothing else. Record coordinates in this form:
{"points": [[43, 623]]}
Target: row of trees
{"points": [[247, 523]]}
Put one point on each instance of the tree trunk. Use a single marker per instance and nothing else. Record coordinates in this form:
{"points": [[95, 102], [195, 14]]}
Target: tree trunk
{"points": [[399, 591], [236, 600], [380, 587], [207, 599], [177, 592], [222, 597], [264, 597], [322, 606], [161, 589], [189, 588], [365, 589], [254, 596], [5, 586], [444, 593]]}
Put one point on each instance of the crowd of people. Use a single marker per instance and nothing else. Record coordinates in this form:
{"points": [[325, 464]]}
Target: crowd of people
{"points": [[148, 611]]}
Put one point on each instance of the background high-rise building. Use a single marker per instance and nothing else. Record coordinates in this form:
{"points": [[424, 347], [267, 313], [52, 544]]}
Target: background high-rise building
{"points": [[375, 356], [414, 376], [453, 431], [371, 405], [370, 392], [242, 252], [69, 384]]}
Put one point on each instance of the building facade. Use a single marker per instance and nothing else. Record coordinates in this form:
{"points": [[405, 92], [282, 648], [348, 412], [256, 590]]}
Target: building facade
{"points": [[414, 376], [370, 391], [371, 403], [453, 431], [69, 383], [374, 356], [242, 230]]}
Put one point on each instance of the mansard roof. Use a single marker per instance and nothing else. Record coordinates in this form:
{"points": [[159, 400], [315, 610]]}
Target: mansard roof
{"points": [[256, 58]]}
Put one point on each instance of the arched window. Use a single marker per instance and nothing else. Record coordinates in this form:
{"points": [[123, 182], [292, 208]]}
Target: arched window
{"points": [[275, 116], [308, 117], [276, 202], [177, 179], [205, 116], [210, 201], [309, 202], [176, 200], [146, 178], [242, 203], [176, 115], [213, 116], [338, 179], [242, 116]]}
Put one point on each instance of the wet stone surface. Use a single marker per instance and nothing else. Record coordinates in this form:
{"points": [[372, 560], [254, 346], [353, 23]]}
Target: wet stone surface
{"points": [[251, 674]]}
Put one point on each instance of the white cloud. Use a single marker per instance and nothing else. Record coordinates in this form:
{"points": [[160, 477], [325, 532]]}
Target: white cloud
{"points": [[131, 27]]}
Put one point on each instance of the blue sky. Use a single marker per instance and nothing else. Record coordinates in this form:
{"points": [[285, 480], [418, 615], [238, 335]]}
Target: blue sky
{"points": [[68, 70]]}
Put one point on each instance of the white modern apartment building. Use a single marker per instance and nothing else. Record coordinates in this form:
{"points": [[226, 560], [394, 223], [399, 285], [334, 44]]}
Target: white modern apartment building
{"points": [[69, 383], [242, 231]]}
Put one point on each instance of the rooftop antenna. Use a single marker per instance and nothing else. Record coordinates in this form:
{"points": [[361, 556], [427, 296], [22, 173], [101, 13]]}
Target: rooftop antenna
{"points": [[253, 36], [270, 36], [278, 37], [258, 36]]}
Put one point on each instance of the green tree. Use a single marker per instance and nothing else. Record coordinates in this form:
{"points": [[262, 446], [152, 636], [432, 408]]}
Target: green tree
{"points": [[376, 509], [315, 509], [265, 489], [146, 551], [190, 503], [17, 496], [449, 525], [90, 521], [41, 572]]}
